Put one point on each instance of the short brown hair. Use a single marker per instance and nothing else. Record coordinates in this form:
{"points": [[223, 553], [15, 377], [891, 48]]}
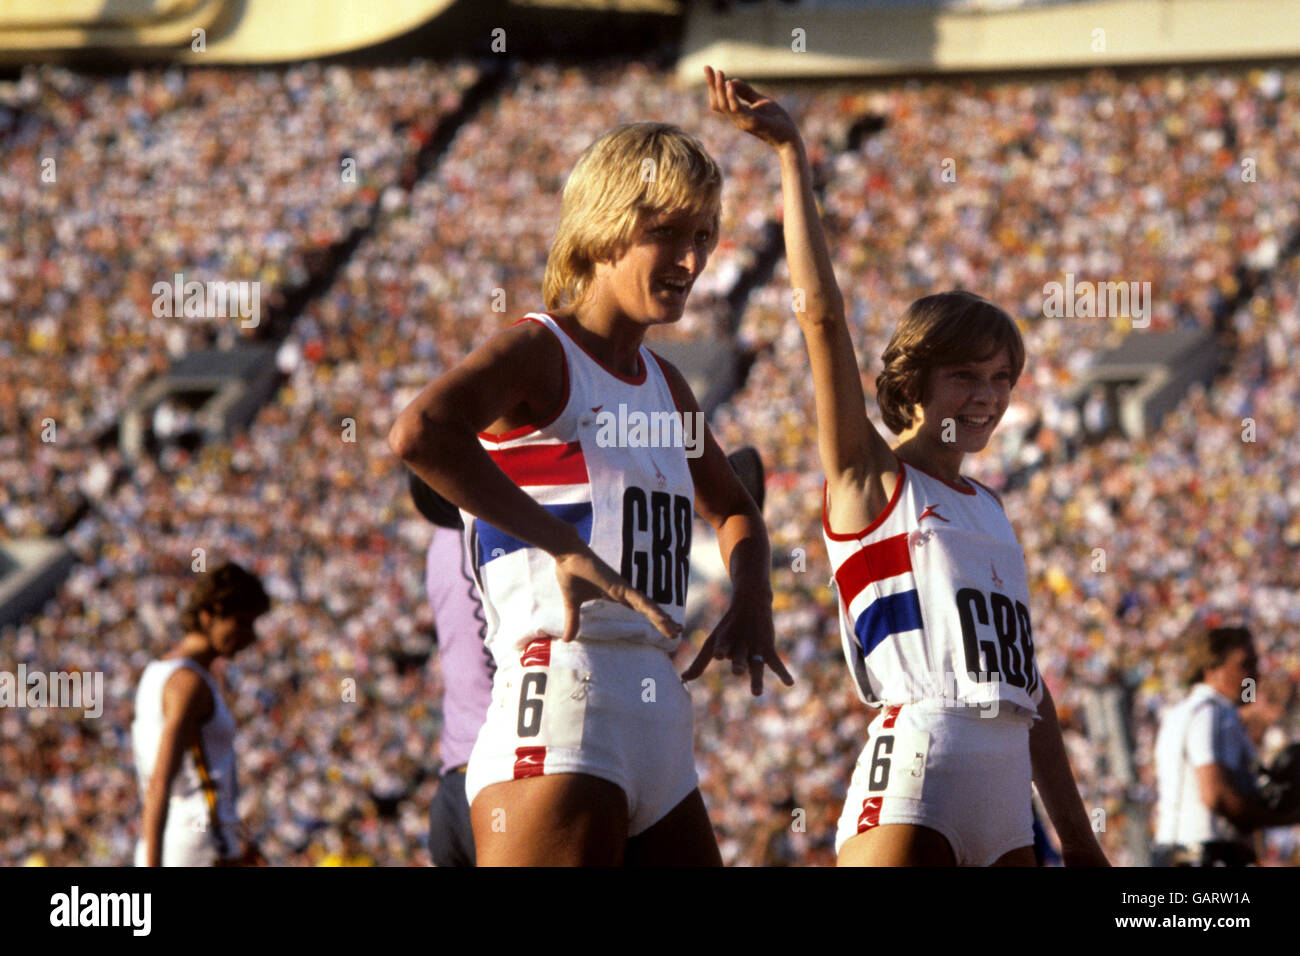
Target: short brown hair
{"points": [[631, 173], [1208, 647], [947, 328], [225, 590]]}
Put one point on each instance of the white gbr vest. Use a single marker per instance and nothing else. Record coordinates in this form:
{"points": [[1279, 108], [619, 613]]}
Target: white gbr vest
{"points": [[934, 600], [626, 489]]}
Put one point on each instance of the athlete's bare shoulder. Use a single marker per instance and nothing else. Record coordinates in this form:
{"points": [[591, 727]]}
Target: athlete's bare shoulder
{"points": [[187, 695], [528, 354], [858, 500], [529, 334]]}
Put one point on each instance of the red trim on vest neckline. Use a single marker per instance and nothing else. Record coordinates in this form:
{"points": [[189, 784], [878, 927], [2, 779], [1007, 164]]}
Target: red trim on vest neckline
{"points": [[638, 379]]}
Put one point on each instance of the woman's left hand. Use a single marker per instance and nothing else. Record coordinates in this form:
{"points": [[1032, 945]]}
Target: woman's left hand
{"points": [[750, 110], [745, 636]]}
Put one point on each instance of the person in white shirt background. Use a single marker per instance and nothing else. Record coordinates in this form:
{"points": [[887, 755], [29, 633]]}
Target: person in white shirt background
{"points": [[1209, 804]]}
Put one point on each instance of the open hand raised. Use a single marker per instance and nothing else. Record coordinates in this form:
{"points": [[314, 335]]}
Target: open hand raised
{"points": [[750, 110]]}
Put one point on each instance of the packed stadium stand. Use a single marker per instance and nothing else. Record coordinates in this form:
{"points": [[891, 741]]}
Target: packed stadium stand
{"points": [[1135, 174]]}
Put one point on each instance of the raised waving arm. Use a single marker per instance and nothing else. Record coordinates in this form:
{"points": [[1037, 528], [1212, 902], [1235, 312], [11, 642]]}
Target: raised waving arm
{"points": [[854, 455]]}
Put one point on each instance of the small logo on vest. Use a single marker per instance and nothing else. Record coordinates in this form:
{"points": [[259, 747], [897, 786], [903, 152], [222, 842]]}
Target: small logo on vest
{"points": [[931, 512]]}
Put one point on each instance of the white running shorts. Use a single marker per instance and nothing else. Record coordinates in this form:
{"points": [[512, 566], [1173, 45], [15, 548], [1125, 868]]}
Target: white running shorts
{"points": [[949, 769], [614, 710]]}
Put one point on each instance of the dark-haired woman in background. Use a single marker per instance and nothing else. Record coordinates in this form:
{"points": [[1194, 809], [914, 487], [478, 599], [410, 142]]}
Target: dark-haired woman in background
{"points": [[183, 734]]}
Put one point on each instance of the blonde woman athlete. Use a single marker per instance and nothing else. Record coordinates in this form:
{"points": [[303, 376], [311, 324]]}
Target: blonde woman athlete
{"points": [[579, 457]]}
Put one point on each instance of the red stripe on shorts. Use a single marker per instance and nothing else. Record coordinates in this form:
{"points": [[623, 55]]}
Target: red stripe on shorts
{"points": [[529, 762], [870, 816], [537, 653]]}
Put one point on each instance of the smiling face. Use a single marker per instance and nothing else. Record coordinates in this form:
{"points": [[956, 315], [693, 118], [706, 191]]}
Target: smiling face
{"points": [[652, 279], [973, 395]]}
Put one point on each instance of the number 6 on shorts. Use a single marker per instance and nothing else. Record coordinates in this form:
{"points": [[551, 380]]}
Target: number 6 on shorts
{"points": [[878, 778], [530, 708]]}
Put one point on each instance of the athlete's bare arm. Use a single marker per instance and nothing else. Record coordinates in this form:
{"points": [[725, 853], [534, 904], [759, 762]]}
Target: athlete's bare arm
{"points": [[1055, 782], [745, 634], [515, 378], [855, 457], [187, 704]]}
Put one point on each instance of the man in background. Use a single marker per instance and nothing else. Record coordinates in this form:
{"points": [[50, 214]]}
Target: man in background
{"points": [[1209, 804]]}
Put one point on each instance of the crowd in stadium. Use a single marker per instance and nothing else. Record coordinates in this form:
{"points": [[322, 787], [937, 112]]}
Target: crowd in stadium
{"points": [[114, 184], [1108, 177]]}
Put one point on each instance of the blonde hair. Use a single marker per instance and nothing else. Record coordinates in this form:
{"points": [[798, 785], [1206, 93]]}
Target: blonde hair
{"points": [[947, 328], [631, 173]]}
